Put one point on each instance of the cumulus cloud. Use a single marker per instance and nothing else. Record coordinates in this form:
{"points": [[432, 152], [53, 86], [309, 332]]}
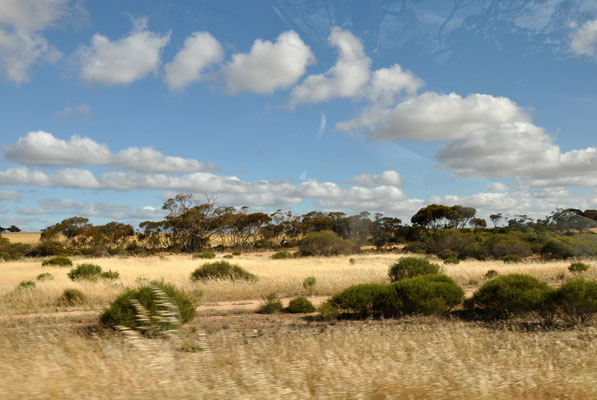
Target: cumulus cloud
{"points": [[389, 177], [268, 66], [40, 148], [84, 209], [200, 50], [497, 187], [21, 41], [584, 40], [122, 61]]}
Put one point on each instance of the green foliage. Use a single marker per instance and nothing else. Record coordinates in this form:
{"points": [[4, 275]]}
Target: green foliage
{"points": [[281, 255], [271, 304], [328, 310], [577, 300], [236, 253], [363, 299], [300, 305], [324, 243], [425, 294], [228, 256], [72, 297], [88, 272], [153, 298], [492, 273], [512, 259], [351, 261], [308, 283], [507, 244], [58, 260], [510, 295], [45, 276], [558, 249], [409, 267], [206, 255], [451, 260], [578, 267], [26, 285], [221, 270], [111, 275]]}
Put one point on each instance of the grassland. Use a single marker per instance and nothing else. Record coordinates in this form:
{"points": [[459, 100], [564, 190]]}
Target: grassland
{"points": [[237, 354]]}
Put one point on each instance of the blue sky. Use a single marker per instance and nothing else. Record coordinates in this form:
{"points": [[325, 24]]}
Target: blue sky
{"points": [[108, 108]]}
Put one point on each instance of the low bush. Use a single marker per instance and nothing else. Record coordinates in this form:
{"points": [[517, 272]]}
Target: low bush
{"points": [[271, 304], [510, 295], [558, 249], [228, 256], [88, 272], [492, 273], [151, 309], [324, 243], [451, 260], [308, 283], [578, 267], [300, 305], [206, 255], [58, 260], [45, 276], [281, 255], [221, 270], [409, 267], [364, 299], [26, 285], [577, 301], [327, 310], [72, 297], [111, 275], [512, 259], [236, 253]]}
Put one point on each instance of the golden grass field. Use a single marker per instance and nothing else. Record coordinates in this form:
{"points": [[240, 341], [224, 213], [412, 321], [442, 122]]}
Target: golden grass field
{"points": [[49, 351]]}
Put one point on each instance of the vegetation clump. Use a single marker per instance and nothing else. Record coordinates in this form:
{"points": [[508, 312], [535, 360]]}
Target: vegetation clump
{"points": [[300, 305], [451, 260], [271, 304], [512, 259], [363, 299], [492, 273], [308, 283], [91, 272], [577, 300], [280, 255], [236, 253], [45, 276], [324, 243], [61, 261], [72, 297], [26, 285], [206, 255], [409, 267], [578, 267], [221, 270]]}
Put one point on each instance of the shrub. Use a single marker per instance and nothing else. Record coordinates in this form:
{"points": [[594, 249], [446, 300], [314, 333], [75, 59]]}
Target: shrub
{"points": [[271, 304], [308, 283], [281, 255], [577, 300], [351, 261], [492, 273], [578, 267], [324, 243], [512, 259], [510, 295], [228, 256], [26, 285], [512, 243], [45, 276], [72, 297], [426, 294], [58, 260], [300, 305], [451, 260], [447, 254], [327, 310], [363, 298], [206, 254], [558, 249], [221, 270], [110, 275], [236, 253], [89, 272], [162, 307], [409, 267]]}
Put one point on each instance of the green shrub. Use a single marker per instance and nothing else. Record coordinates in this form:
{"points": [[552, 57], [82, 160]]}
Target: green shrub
{"points": [[45, 276], [363, 298], [308, 283], [58, 260], [206, 254], [26, 285], [351, 261], [558, 249], [510, 295], [222, 270], [236, 253], [281, 255], [512, 243], [451, 260], [111, 275], [72, 297], [228, 256], [327, 310], [578, 267], [577, 300], [409, 267], [300, 305], [492, 273], [89, 272], [324, 243], [425, 294], [271, 304], [158, 306], [448, 254], [512, 259]]}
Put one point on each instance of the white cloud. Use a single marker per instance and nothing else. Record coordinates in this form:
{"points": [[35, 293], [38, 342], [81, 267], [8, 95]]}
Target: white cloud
{"points": [[200, 50], [389, 177], [268, 66], [125, 60], [21, 42], [386, 83], [80, 111], [345, 79], [43, 149], [106, 210], [9, 195], [584, 40], [497, 187]]}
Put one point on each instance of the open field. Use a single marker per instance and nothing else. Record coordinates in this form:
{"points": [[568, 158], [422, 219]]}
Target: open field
{"points": [[243, 355], [22, 237]]}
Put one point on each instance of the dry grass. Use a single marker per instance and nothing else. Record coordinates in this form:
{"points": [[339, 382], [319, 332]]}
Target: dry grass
{"points": [[22, 237]]}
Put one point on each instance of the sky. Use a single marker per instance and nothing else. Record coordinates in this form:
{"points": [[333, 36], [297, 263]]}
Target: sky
{"points": [[108, 108]]}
